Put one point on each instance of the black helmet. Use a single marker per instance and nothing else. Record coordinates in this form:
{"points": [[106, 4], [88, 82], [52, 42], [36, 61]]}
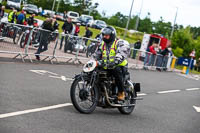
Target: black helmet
{"points": [[109, 30]]}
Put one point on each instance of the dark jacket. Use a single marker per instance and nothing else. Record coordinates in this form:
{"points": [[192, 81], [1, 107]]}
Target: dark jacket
{"points": [[65, 16], [47, 25], [55, 25], [67, 27], [88, 33], [164, 52], [31, 20], [1, 13]]}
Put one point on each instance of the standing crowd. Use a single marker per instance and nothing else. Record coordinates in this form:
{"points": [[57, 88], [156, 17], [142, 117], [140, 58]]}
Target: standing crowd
{"points": [[49, 25]]}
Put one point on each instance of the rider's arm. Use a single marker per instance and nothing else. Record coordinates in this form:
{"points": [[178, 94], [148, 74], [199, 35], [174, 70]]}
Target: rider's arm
{"points": [[122, 52]]}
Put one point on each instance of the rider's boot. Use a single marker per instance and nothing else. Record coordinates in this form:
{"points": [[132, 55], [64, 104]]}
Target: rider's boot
{"points": [[121, 96]]}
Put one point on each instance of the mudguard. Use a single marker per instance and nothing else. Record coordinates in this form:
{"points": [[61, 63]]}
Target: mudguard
{"points": [[137, 87]]}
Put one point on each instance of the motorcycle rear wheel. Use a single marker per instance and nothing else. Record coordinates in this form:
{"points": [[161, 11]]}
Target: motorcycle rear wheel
{"points": [[22, 41], [80, 95], [16, 38], [130, 100]]}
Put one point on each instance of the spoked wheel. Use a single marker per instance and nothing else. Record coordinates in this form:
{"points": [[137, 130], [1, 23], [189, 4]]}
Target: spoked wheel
{"points": [[88, 52], [16, 38], [83, 97], [22, 41], [128, 101]]}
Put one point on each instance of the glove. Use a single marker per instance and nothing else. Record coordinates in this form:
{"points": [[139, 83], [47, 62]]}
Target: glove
{"points": [[111, 65]]}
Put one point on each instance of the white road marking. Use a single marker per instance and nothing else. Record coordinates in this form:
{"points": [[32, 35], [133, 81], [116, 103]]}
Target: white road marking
{"points": [[192, 89], [170, 91], [196, 108], [195, 77], [34, 110], [141, 94], [42, 72], [61, 77], [51, 74]]}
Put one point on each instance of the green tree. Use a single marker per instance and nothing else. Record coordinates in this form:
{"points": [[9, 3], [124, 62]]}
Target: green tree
{"points": [[162, 27], [183, 39]]}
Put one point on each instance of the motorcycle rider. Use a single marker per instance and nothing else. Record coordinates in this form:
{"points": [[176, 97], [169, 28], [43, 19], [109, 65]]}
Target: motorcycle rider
{"points": [[114, 52]]}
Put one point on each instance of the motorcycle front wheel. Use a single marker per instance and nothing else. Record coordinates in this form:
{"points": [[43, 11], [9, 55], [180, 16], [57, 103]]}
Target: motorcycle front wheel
{"points": [[83, 96]]}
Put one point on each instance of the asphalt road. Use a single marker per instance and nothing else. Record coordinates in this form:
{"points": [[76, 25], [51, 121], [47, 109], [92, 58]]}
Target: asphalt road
{"points": [[35, 86]]}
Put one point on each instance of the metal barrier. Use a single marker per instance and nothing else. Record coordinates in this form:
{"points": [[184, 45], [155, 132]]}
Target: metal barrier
{"points": [[147, 60], [39, 42], [26, 41]]}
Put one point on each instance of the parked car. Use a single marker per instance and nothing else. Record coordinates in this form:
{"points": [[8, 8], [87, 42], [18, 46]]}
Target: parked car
{"points": [[5, 18], [73, 15], [39, 22], [98, 24], [90, 22], [14, 4], [59, 16], [32, 9], [49, 13], [84, 19]]}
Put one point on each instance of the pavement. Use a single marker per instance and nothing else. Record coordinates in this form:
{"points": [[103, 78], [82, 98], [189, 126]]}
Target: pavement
{"points": [[34, 98]]}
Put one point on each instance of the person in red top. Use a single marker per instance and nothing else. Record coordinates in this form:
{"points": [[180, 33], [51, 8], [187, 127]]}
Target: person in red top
{"points": [[150, 55], [152, 48], [153, 52], [77, 29]]}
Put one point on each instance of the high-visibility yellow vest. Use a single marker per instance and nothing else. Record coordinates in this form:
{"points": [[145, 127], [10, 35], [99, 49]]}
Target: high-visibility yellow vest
{"points": [[10, 16], [112, 54]]}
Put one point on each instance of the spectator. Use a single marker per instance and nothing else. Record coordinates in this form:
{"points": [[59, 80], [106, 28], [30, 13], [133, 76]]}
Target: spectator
{"points": [[2, 12], [162, 58], [137, 46], [21, 18], [12, 16], [65, 16], [55, 23], [150, 55], [153, 52], [40, 10], [67, 29], [31, 20], [44, 37], [77, 29], [88, 34], [197, 66]]}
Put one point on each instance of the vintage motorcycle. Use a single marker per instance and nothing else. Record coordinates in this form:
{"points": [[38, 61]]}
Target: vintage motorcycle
{"points": [[10, 31], [96, 87], [74, 44], [91, 49]]}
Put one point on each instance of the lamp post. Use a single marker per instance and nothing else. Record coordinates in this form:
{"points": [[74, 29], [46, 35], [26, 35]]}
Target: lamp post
{"points": [[138, 17], [174, 23], [53, 5], [58, 5], [128, 20]]}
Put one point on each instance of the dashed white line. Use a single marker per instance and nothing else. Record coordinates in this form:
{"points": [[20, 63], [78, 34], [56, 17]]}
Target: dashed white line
{"points": [[192, 89], [61, 77], [196, 108], [34, 110], [141, 94], [170, 91]]}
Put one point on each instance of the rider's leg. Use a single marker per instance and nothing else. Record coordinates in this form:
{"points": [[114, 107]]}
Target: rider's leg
{"points": [[119, 76]]}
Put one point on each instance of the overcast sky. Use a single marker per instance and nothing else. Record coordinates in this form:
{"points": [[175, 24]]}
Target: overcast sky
{"points": [[188, 10]]}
